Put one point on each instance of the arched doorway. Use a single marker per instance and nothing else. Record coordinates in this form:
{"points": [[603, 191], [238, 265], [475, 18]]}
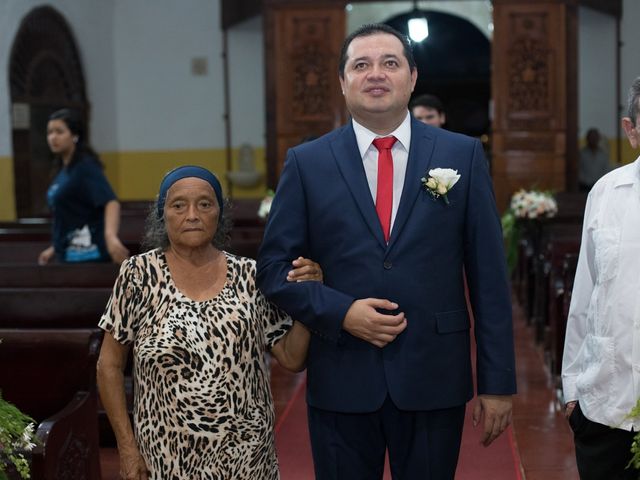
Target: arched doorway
{"points": [[454, 63], [45, 73]]}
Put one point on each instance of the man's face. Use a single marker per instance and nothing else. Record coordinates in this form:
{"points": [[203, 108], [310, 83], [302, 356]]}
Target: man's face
{"points": [[377, 79], [428, 115]]}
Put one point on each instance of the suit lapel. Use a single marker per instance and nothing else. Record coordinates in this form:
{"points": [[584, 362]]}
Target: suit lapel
{"points": [[420, 153], [347, 156]]}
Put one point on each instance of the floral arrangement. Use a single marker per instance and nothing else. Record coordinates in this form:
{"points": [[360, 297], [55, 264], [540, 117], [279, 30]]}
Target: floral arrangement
{"points": [[265, 205], [533, 204], [16, 436], [440, 181], [526, 206], [635, 445]]}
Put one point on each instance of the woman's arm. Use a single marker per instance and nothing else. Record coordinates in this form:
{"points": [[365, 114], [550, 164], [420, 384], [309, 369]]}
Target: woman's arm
{"points": [[111, 363], [115, 247], [291, 350], [46, 255]]}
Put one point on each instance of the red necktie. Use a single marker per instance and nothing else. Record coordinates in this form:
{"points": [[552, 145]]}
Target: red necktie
{"points": [[384, 193]]}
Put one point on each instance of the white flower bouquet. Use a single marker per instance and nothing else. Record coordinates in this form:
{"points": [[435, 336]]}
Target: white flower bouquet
{"points": [[533, 204], [527, 207], [17, 436]]}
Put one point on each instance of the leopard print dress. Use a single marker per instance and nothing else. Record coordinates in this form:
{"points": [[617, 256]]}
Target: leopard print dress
{"points": [[202, 401]]}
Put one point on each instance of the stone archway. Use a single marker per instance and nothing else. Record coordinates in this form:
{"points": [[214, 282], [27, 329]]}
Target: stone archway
{"points": [[45, 73]]}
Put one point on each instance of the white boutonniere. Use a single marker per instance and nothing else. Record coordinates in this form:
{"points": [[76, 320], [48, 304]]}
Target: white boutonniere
{"points": [[440, 181]]}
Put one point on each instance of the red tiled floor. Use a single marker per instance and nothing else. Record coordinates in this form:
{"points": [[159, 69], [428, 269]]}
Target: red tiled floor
{"points": [[542, 435]]}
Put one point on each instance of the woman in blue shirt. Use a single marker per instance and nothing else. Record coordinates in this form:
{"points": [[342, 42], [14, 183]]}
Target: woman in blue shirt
{"points": [[86, 213]]}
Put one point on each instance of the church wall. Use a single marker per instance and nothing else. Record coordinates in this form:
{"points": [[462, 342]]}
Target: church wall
{"points": [[149, 112]]}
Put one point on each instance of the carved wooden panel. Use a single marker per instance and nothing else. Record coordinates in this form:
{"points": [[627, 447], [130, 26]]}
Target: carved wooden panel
{"points": [[532, 57], [74, 461], [303, 91]]}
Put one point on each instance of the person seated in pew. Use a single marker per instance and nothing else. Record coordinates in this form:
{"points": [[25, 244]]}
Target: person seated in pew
{"points": [[199, 328], [85, 211]]}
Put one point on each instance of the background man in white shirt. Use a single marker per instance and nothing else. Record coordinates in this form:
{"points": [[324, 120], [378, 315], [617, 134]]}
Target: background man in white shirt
{"points": [[594, 161], [601, 364]]}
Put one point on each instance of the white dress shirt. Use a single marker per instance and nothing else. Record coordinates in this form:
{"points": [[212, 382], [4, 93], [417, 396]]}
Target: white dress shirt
{"points": [[601, 363], [399, 152]]}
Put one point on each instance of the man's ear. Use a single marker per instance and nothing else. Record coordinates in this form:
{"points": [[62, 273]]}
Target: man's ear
{"points": [[631, 131]]}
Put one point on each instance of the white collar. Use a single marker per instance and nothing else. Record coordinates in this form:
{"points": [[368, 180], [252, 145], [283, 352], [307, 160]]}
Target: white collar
{"points": [[365, 137], [629, 176]]}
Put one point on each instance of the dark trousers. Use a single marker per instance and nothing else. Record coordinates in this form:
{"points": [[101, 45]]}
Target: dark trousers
{"points": [[422, 445], [602, 452]]}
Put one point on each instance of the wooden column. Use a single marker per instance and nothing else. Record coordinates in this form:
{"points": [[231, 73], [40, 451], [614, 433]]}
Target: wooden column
{"points": [[303, 41], [534, 90]]}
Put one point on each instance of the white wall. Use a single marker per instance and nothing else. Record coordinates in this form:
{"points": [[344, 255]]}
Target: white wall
{"points": [[137, 56], [161, 105], [247, 78], [91, 23], [597, 105], [630, 69]]}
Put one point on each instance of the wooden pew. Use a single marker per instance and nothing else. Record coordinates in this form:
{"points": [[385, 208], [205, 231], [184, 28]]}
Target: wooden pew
{"points": [[61, 309], [570, 213], [50, 376], [58, 275], [21, 251], [52, 307], [568, 273]]}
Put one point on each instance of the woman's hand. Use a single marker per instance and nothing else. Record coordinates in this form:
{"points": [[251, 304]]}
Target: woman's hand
{"points": [[305, 270], [116, 249], [46, 255], [132, 465]]}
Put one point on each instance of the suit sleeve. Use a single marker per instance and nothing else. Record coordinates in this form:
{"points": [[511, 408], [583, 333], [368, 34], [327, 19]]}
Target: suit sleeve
{"points": [[489, 290], [317, 306]]}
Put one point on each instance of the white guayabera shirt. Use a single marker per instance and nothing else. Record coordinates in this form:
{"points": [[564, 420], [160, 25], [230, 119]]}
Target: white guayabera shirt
{"points": [[601, 364]]}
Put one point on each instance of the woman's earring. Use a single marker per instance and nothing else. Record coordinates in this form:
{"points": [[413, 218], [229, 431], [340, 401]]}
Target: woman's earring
{"points": [[75, 139]]}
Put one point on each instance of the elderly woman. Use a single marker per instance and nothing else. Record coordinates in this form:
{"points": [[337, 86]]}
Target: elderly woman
{"points": [[199, 328]]}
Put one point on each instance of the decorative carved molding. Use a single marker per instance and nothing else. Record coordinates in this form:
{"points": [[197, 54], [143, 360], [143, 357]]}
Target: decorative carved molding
{"points": [[530, 144], [303, 41], [73, 459], [528, 60], [533, 60], [312, 65]]}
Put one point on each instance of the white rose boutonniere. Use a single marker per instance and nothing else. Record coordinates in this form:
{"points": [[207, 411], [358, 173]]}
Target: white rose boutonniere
{"points": [[440, 181]]}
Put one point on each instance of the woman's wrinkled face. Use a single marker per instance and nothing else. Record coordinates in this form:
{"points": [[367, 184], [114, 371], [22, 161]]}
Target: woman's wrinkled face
{"points": [[60, 139], [191, 213]]}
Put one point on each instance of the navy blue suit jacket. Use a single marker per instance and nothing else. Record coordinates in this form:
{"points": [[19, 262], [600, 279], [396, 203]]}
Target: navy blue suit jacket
{"points": [[323, 210]]}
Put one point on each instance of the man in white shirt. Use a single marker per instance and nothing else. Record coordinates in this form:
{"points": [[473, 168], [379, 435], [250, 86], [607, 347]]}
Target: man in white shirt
{"points": [[601, 364]]}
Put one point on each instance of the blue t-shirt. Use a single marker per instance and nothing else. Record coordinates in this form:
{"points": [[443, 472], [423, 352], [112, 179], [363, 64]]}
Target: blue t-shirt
{"points": [[77, 197]]}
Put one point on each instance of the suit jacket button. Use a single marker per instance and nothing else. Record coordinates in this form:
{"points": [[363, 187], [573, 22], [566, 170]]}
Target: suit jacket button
{"points": [[388, 265]]}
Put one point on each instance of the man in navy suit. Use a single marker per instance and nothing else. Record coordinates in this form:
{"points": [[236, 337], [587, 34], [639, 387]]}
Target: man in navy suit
{"points": [[389, 366]]}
